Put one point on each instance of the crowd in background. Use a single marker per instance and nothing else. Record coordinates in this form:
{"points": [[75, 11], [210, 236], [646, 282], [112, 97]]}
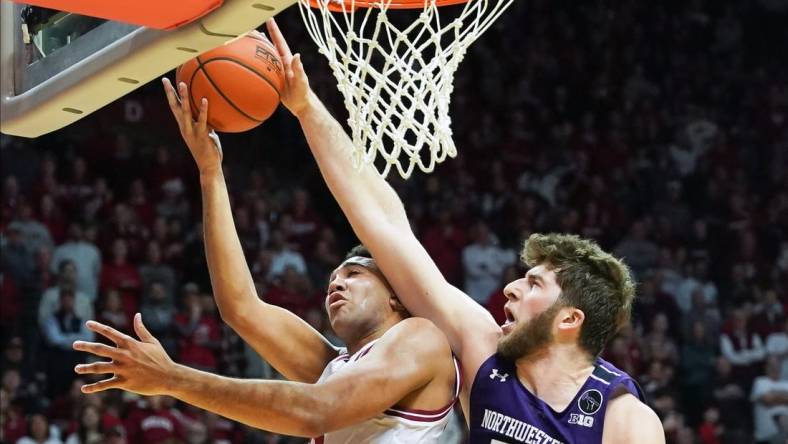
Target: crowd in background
{"points": [[658, 129]]}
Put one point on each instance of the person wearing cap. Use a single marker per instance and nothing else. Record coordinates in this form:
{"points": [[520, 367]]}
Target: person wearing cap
{"points": [[395, 381]]}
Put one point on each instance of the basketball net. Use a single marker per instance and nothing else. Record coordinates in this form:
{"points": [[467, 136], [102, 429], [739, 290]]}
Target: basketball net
{"points": [[397, 80]]}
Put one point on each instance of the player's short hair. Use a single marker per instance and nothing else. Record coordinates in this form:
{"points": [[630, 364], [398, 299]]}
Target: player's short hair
{"points": [[360, 251], [590, 279]]}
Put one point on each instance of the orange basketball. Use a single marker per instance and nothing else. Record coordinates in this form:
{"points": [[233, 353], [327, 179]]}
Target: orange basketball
{"points": [[241, 80]]}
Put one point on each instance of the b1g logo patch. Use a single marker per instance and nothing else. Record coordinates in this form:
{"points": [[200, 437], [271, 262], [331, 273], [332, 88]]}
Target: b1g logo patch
{"points": [[590, 401], [581, 420]]}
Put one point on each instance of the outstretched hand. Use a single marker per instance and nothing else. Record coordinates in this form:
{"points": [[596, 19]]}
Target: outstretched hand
{"points": [[139, 366], [296, 94], [203, 143]]}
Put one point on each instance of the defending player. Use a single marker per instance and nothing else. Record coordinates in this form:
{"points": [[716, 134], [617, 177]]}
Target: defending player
{"points": [[395, 383], [536, 379]]}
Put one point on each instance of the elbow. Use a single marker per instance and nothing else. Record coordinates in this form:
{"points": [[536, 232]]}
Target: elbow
{"points": [[314, 423], [321, 415]]}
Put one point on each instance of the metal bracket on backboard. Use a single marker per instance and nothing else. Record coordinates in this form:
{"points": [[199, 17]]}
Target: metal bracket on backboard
{"points": [[109, 62]]}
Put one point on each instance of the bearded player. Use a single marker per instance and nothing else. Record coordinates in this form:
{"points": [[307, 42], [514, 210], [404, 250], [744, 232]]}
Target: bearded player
{"points": [[396, 381], [536, 379]]}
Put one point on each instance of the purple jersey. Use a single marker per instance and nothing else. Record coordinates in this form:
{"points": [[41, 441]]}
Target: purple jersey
{"points": [[504, 411]]}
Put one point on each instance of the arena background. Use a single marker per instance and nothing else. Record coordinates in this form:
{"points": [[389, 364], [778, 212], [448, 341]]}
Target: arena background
{"points": [[660, 129]]}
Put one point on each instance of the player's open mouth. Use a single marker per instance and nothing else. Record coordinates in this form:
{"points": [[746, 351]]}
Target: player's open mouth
{"points": [[510, 321], [335, 300]]}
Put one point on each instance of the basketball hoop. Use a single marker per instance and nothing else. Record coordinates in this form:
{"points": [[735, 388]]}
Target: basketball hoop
{"points": [[397, 80]]}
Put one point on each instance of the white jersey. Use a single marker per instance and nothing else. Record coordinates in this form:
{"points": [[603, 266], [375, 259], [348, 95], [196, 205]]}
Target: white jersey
{"points": [[395, 425]]}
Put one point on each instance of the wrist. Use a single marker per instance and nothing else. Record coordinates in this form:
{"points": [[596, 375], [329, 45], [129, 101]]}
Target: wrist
{"points": [[209, 174], [310, 104], [178, 380]]}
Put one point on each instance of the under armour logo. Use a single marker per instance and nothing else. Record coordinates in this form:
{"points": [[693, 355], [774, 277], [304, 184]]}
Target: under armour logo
{"points": [[501, 377]]}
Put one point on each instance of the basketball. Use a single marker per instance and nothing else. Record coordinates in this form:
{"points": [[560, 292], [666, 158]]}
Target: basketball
{"points": [[242, 81]]}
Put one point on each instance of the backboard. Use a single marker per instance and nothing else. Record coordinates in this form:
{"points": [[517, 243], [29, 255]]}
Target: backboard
{"points": [[69, 65]]}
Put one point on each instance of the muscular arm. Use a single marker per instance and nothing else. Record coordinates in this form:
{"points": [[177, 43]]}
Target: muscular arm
{"points": [[379, 220], [406, 358], [273, 332], [628, 420]]}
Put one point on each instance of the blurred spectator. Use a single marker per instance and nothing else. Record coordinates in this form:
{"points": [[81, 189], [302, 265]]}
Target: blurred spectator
{"points": [[85, 256], [625, 352], [704, 312], [158, 313], [292, 291], [67, 282], [444, 241], [283, 257], [155, 271], [777, 346], [13, 354], [770, 402], [124, 225], [34, 234], [174, 205], [65, 405], [730, 395], [484, 261], [98, 206], [123, 277], [742, 348], [305, 224], [11, 301], [40, 432], [89, 429], [711, 431], [698, 358], [60, 330], [13, 424], [323, 260], [659, 345], [151, 421], [139, 203], [16, 258], [261, 219], [198, 334], [769, 314], [640, 253], [112, 312]]}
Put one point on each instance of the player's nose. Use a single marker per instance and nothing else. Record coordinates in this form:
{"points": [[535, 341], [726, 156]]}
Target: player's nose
{"points": [[510, 291], [338, 284]]}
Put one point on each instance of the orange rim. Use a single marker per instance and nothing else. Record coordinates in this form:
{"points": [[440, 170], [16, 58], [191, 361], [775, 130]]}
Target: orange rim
{"points": [[352, 5]]}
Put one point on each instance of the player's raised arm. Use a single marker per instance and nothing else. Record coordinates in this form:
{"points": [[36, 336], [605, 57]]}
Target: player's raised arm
{"points": [[399, 363], [379, 220], [272, 331]]}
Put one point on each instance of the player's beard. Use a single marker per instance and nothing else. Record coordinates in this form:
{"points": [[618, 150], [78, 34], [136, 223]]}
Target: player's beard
{"points": [[529, 337]]}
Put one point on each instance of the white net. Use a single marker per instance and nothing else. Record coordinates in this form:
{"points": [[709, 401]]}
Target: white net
{"points": [[397, 79]]}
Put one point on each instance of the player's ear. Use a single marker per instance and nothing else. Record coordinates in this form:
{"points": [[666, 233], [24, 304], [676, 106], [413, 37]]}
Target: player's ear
{"points": [[570, 318]]}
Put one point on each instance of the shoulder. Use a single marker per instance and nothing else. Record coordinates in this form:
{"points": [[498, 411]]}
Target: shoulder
{"points": [[418, 338], [419, 332], [630, 420]]}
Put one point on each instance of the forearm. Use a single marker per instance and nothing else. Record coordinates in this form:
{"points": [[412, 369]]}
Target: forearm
{"points": [[289, 408], [379, 221], [230, 277], [361, 193]]}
